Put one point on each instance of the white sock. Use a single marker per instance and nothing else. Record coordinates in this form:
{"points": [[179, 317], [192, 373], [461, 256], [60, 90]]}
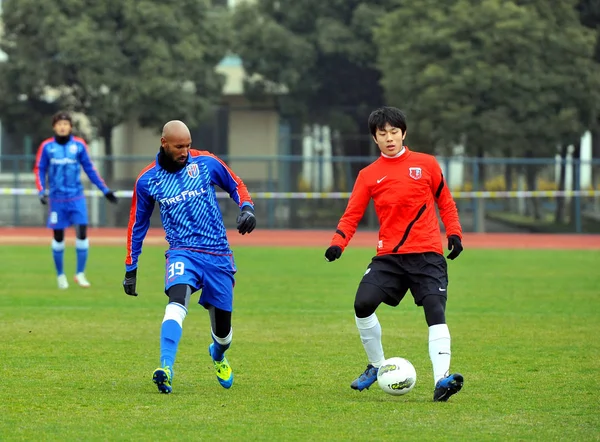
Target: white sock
{"points": [[370, 335], [58, 246], [223, 341], [439, 351], [176, 312]]}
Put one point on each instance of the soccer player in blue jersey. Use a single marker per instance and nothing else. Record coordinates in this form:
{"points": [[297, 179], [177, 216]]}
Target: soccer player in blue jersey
{"points": [[181, 180], [59, 161]]}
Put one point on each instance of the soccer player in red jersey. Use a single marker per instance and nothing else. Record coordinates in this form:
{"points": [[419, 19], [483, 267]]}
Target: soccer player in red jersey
{"points": [[405, 187]]}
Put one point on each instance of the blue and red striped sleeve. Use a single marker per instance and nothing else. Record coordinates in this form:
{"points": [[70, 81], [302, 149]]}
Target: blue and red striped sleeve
{"points": [[142, 206], [40, 169], [88, 166], [222, 176]]}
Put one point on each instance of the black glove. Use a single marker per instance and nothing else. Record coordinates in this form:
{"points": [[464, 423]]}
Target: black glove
{"points": [[455, 246], [129, 282], [246, 221], [43, 198], [110, 195], [333, 253]]}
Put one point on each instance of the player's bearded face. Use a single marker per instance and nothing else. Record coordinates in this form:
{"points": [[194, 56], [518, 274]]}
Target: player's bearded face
{"points": [[389, 139], [178, 149], [62, 128]]}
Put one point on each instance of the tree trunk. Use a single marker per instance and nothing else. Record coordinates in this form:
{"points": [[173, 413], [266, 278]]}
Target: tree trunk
{"points": [[107, 172], [596, 168], [295, 168], [531, 178], [559, 216], [108, 169], [576, 165], [508, 178], [340, 178], [480, 213]]}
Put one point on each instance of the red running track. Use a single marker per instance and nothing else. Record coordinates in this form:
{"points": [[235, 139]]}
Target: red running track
{"points": [[310, 238]]}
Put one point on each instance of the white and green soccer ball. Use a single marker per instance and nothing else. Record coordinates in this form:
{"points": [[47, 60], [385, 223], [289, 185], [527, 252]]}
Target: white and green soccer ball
{"points": [[397, 376]]}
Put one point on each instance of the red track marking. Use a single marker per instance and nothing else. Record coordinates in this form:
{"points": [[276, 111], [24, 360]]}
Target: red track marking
{"points": [[308, 238]]}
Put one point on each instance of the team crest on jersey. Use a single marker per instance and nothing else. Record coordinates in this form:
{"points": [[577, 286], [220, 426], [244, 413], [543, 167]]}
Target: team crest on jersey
{"points": [[73, 149], [414, 172], [193, 170]]}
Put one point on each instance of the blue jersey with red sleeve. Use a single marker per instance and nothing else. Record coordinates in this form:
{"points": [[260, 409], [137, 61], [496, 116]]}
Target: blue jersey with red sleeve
{"points": [[60, 165], [187, 201]]}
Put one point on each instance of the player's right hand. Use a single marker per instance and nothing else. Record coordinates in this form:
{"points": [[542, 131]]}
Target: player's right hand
{"points": [[129, 282], [43, 198], [110, 195], [333, 253], [246, 221]]}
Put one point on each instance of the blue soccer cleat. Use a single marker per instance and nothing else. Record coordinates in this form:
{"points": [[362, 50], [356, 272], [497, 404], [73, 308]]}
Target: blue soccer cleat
{"points": [[163, 378], [222, 369], [366, 379], [447, 386]]}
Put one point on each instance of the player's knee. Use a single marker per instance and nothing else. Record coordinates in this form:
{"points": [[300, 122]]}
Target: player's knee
{"points": [[221, 322], [368, 297], [435, 309], [363, 309], [59, 235], [81, 231], [180, 294]]}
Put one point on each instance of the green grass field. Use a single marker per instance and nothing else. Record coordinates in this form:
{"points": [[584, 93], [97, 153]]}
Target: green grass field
{"points": [[77, 364]]}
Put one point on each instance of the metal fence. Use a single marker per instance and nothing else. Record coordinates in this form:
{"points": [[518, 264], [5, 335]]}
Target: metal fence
{"points": [[492, 194]]}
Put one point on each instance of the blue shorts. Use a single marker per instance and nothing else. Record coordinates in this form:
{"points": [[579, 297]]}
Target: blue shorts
{"points": [[66, 213], [213, 274]]}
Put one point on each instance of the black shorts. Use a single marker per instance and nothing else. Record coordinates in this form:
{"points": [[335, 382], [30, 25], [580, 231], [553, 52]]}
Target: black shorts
{"points": [[423, 273]]}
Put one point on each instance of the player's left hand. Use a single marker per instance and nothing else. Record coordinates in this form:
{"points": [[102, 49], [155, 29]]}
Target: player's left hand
{"points": [[246, 221], [129, 282], [110, 195], [332, 253], [455, 246]]}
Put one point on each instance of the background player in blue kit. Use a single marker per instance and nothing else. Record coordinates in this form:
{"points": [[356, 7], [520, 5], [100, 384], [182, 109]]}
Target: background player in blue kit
{"points": [[59, 160], [181, 180]]}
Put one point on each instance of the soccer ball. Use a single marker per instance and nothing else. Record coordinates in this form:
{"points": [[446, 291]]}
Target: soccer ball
{"points": [[396, 376]]}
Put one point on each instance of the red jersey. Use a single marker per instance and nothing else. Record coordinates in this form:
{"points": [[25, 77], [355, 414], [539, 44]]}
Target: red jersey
{"points": [[404, 190]]}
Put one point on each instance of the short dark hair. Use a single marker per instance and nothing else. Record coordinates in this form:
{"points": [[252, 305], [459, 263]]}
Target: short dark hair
{"points": [[61, 115], [387, 114]]}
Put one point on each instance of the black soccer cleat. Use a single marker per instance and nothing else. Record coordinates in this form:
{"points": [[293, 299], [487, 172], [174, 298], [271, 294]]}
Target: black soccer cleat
{"points": [[447, 386], [366, 379]]}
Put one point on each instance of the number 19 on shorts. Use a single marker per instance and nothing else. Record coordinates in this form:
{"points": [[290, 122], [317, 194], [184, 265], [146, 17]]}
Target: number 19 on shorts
{"points": [[175, 269]]}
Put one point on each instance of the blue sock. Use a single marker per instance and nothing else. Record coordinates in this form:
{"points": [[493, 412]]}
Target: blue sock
{"points": [[219, 349], [81, 246], [58, 252], [170, 334]]}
